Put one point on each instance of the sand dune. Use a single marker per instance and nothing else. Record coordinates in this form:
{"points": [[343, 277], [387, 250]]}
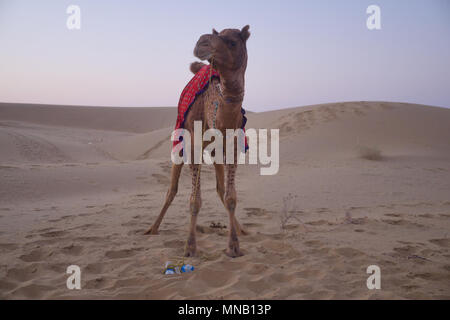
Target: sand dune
{"points": [[136, 120], [80, 186]]}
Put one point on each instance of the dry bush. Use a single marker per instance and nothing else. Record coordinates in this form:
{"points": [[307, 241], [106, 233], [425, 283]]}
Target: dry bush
{"points": [[369, 153], [289, 211]]}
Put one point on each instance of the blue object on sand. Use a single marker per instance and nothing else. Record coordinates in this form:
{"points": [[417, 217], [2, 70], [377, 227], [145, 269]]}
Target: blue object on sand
{"points": [[187, 268]]}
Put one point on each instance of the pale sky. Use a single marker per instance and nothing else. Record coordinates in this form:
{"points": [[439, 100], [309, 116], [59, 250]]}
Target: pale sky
{"points": [[137, 53]]}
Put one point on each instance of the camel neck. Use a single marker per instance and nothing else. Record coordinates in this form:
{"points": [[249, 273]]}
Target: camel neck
{"points": [[232, 89]]}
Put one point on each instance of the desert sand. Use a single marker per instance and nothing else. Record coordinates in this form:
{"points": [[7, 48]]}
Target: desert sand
{"points": [[364, 183]]}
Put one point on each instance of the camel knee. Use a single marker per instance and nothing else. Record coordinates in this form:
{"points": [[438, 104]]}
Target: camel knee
{"points": [[195, 205], [230, 202], [171, 193], [220, 190]]}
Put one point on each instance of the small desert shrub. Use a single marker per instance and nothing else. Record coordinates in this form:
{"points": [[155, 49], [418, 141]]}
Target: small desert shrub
{"points": [[289, 211], [369, 153]]}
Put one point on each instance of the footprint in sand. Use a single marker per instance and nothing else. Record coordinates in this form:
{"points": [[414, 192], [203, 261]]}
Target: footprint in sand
{"points": [[445, 243], [348, 252], [124, 253], [137, 232], [98, 283], [70, 165], [319, 223], [429, 276], [276, 246], [161, 179], [22, 274], [92, 238], [426, 215], [214, 278], [174, 244], [259, 286], [33, 256], [407, 250], [6, 286], [53, 234], [395, 215], [401, 222], [85, 226], [256, 268], [72, 250], [310, 274], [130, 223], [95, 268], [313, 243], [61, 219], [89, 214], [32, 291], [204, 229], [394, 221], [255, 212], [252, 225], [8, 246], [142, 195]]}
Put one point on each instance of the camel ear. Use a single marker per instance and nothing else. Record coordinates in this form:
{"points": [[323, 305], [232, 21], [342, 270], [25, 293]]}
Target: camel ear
{"points": [[244, 33], [215, 32]]}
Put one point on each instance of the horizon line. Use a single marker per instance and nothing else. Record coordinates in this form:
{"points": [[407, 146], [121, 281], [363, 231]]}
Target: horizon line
{"points": [[246, 109]]}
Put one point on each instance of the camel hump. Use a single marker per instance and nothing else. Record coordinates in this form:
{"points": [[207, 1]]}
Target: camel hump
{"points": [[196, 66]]}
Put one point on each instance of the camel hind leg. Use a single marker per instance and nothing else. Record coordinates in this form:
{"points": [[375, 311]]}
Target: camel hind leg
{"points": [[195, 205], [230, 203], [220, 188], [171, 193]]}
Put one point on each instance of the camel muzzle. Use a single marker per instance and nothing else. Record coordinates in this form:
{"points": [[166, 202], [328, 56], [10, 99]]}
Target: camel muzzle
{"points": [[203, 49]]}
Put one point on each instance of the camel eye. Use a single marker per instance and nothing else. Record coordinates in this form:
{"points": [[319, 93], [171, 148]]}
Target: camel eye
{"points": [[231, 43]]}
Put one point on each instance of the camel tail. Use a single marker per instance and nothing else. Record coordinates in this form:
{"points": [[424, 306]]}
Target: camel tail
{"points": [[196, 66]]}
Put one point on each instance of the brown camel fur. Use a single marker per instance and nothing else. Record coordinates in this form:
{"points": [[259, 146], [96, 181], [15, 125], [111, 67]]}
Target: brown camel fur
{"points": [[227, 52]]}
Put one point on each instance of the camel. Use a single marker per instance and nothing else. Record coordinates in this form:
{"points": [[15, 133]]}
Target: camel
{"points": [[227, 53]]}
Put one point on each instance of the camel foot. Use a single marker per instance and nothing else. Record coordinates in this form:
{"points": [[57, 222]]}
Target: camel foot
{"points": [[190, 251], [152, 231], [233, 251], [241, 231]]}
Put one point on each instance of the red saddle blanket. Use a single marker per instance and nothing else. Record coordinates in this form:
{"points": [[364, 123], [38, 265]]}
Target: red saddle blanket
{"points": [[196, 86]]}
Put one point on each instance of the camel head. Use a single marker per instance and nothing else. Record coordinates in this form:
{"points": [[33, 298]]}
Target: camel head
{"points": [[227, 49]]}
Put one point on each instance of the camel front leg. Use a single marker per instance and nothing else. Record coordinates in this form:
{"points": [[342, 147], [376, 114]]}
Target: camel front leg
{"points": [[195, 205], [230, 204], [220, 188], [220, 180], [171, 193]]}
